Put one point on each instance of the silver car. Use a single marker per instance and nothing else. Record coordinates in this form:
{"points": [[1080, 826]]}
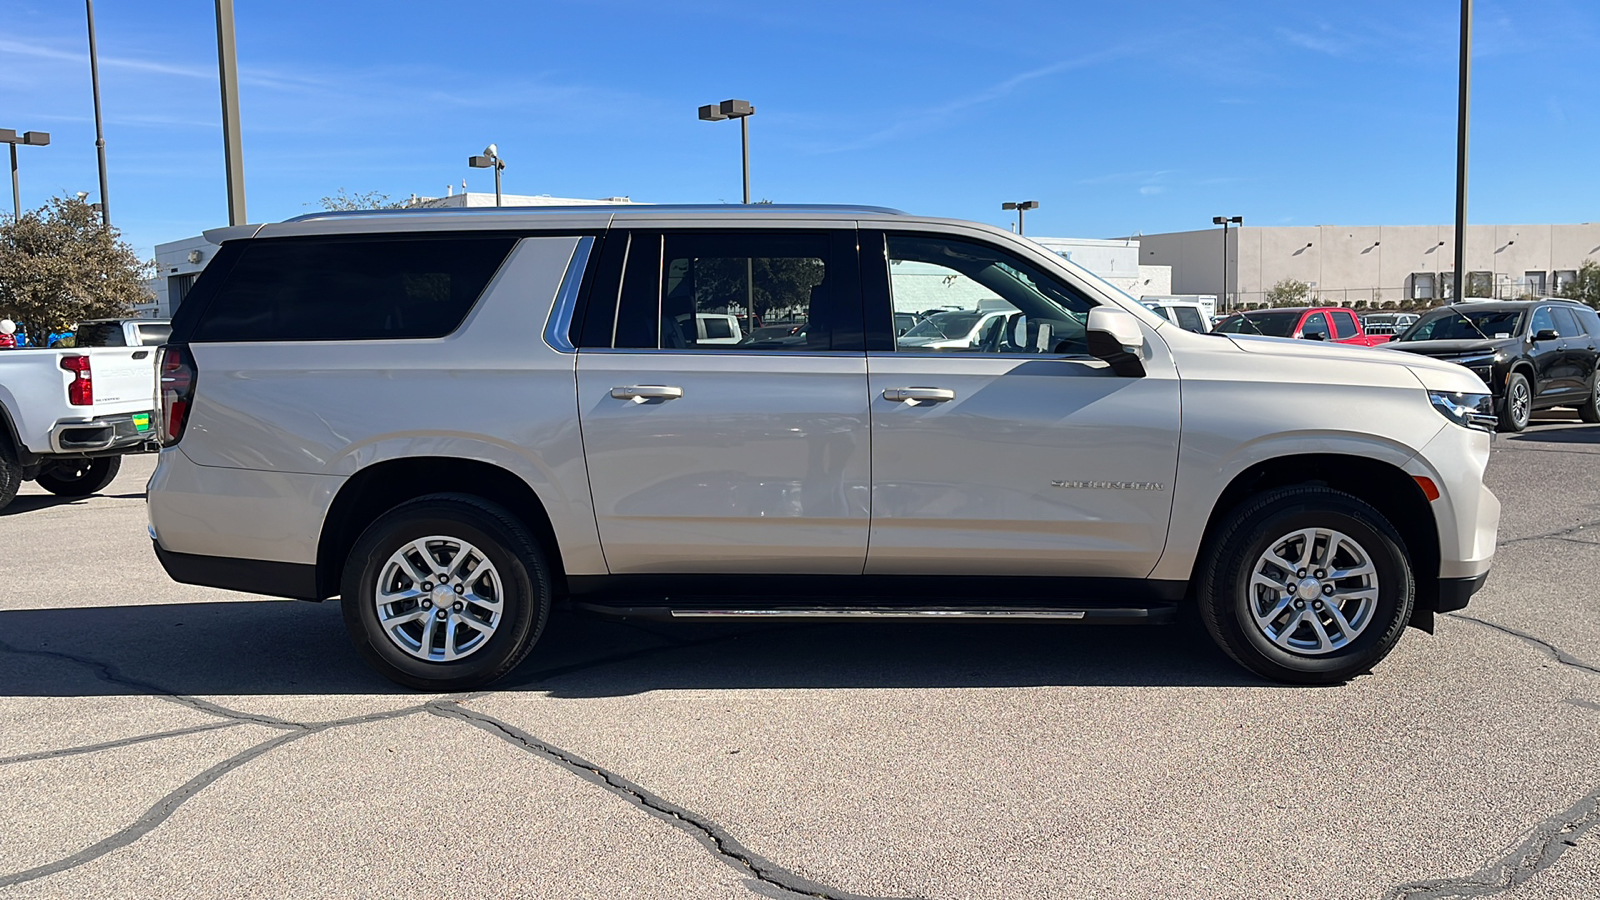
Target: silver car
{"points": [[456, 420]]}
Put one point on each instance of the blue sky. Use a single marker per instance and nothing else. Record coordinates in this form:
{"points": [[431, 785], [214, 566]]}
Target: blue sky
{"points": [[1117, 117]]}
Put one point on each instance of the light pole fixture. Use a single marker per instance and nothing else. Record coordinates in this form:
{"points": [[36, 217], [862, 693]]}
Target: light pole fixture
{"points": [[1463, 101], [1225, 221], [1021, 207], [28, 139], [99, 132], [734, 109], [490, 160]]}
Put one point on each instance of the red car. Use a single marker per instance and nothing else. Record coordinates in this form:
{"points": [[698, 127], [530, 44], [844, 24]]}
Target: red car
{"points": [[1338, 324]]}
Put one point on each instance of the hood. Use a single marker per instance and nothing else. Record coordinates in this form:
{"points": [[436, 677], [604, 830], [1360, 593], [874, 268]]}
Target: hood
{"points": [[1435, 374], [1478, 347]]}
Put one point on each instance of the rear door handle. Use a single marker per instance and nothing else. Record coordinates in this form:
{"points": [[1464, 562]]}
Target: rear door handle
{"points": [[643, 392], [918, 394]]}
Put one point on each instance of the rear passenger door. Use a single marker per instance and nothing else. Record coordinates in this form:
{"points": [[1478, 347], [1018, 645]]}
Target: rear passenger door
{"points": [[714, 455]]}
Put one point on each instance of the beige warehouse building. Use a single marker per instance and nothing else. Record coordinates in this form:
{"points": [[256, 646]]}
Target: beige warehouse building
{"points": [[1374, 265]]}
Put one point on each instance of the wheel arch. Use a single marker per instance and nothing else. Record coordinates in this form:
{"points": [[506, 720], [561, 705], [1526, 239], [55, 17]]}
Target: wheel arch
{"points": [[382, 486], [1383, 485]]}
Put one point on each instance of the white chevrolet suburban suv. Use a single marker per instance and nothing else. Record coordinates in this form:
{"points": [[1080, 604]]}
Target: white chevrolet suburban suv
{"points": [[455, 420]]}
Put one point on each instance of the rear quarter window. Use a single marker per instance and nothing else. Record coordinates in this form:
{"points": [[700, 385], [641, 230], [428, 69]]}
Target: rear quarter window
{"points": [[343, 289]]}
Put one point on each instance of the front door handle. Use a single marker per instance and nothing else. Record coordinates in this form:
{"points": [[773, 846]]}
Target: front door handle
{"points": [[643, 392], [918, 394]]}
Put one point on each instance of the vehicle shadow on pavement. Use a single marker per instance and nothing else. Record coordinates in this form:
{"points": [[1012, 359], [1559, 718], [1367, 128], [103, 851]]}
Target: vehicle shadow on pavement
{"points": [[26, 503], [1589, 434], [271, 647]]}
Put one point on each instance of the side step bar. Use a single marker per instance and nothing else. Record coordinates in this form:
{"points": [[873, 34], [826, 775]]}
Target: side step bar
{"points": [[1156, 614]]}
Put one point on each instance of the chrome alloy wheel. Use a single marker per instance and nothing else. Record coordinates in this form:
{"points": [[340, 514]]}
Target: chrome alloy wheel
{"points": [[1521, 402], [439, 598], [1313, 591]]}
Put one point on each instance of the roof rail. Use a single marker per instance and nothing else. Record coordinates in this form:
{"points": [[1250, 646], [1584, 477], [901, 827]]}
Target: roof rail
{"points": [[624, 208]]}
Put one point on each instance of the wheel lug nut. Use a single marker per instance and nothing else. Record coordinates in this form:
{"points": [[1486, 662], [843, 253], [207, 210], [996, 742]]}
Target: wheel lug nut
{"points": [[1291, 587], [1327, 589], [427, 585], [460, 588], [1299, 604], [459, 606], [1322, 573], [1300, 574], [427, 604], [441, 614], [1317, 604]]}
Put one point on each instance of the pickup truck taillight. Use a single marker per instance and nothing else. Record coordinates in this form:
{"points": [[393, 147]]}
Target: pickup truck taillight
{"points": [[80, 390], [178, 375]]}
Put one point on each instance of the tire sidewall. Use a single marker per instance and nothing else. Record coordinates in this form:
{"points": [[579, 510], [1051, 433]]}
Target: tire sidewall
{"points": [[525, 605], [1510, 421], [1235, 626], [98, 473]]}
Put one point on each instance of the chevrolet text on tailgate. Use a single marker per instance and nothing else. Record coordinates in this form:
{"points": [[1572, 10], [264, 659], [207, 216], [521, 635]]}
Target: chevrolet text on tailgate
{"points": [[455, 420]]}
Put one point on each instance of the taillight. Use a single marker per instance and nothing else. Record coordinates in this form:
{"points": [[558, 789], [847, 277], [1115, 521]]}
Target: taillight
{"points": [[80, 390], [178, 375]]}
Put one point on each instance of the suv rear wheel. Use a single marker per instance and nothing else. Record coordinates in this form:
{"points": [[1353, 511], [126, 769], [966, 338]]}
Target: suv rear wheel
{"points": [[1307, 585], [1589, 410], [445, 593], [79, 477]]}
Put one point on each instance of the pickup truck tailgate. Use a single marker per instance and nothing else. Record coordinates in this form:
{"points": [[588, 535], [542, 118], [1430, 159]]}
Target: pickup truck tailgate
{"points": [[124, 379]]}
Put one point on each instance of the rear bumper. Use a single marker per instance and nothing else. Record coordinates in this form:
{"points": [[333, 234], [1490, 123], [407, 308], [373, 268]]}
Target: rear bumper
{"points": [[104, 434], [250, 576]]}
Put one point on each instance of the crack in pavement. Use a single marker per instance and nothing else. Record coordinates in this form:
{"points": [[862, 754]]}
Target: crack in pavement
{"points": [[112, 745], [168, 804], [1581, 526], [1561, 656], [716, 839], [1545, 844]]}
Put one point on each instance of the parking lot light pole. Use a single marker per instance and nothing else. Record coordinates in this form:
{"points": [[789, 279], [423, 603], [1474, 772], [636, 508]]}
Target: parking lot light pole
{"points": [[1463, 98], [1021, 207], [734, 109], [99, 132], [232, 148], [27, 138], [490, 160], [1224, 221]]}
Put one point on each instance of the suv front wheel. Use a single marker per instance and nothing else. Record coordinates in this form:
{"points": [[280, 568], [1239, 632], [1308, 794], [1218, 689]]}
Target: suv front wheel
{"points": [[1307, 585], [445, 593]]}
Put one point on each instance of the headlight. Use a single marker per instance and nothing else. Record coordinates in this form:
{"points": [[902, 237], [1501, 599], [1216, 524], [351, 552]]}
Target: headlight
{"points": [[1467, 410]]}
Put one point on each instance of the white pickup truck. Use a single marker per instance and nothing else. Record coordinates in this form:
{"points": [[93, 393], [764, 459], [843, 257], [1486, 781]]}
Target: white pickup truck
{"points": [[68, 415]]}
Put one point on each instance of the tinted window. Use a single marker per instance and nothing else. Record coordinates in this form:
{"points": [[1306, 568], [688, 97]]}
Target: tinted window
{"points": [[1566, 323], [332, 289], [1271, 324], [1316, 323], [708, 291], [99, 334], [154, 335], [1189, 318], [1160, 312], [995, 302], [1344, 325], [1458, 325], [1590, 320], [1542, 321]]}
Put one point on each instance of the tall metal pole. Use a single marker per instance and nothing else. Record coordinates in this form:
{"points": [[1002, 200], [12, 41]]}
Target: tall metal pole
{"points": [[744, 143], [231, 150], [498, 168], [1464, 95], [16, 186], [99, 131], [1224, 265]]}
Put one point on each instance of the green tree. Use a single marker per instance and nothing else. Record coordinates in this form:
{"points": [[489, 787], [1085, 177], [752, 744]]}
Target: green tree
{"points": [[1288, 292], [341, 200], [59, 265], [1586, 287]]}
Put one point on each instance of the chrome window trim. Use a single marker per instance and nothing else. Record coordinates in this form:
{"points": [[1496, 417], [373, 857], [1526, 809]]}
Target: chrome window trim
{"points": [[753, 354], [559, 324]]}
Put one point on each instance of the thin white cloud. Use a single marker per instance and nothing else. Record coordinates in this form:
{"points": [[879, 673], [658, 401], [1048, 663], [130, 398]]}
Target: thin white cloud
{"points": [[1324, 41]]}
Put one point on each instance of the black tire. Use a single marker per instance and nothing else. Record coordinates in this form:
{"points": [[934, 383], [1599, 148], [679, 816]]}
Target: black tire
{"points": [[523, 581], [10, 472], [1226, 594], [1589, 410], [1514, 417], [79, 477]]}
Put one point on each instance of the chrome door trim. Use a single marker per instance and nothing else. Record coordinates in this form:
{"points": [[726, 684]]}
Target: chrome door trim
{"points": [[863, 612], [560, 322]]}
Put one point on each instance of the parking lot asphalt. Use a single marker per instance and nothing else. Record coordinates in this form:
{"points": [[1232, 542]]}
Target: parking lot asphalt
{"points": [[162, 740]]}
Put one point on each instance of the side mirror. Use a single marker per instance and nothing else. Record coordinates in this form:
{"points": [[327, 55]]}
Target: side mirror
{"points": [[1114, 335], [1547, 334], [1314, 336]]}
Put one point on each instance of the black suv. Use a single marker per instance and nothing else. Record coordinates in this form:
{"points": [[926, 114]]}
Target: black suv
{"points": [[1533, 354]]}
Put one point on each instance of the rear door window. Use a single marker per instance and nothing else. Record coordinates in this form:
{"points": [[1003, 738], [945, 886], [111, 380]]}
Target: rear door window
{"points": [[358, 288], [1316, 323], [1189, 318], [1566, 323], [1344, 325]]}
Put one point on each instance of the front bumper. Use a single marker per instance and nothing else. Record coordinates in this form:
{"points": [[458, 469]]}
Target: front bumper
{"points": [[105, 434]]}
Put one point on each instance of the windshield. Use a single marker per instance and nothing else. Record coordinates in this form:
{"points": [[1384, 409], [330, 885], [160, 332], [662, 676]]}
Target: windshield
{"points": [[1469, 325], [1271, 324], [945, 325]]}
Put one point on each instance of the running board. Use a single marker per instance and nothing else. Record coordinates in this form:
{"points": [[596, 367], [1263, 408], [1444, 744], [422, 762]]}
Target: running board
{"points": [[1156, 614]]}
